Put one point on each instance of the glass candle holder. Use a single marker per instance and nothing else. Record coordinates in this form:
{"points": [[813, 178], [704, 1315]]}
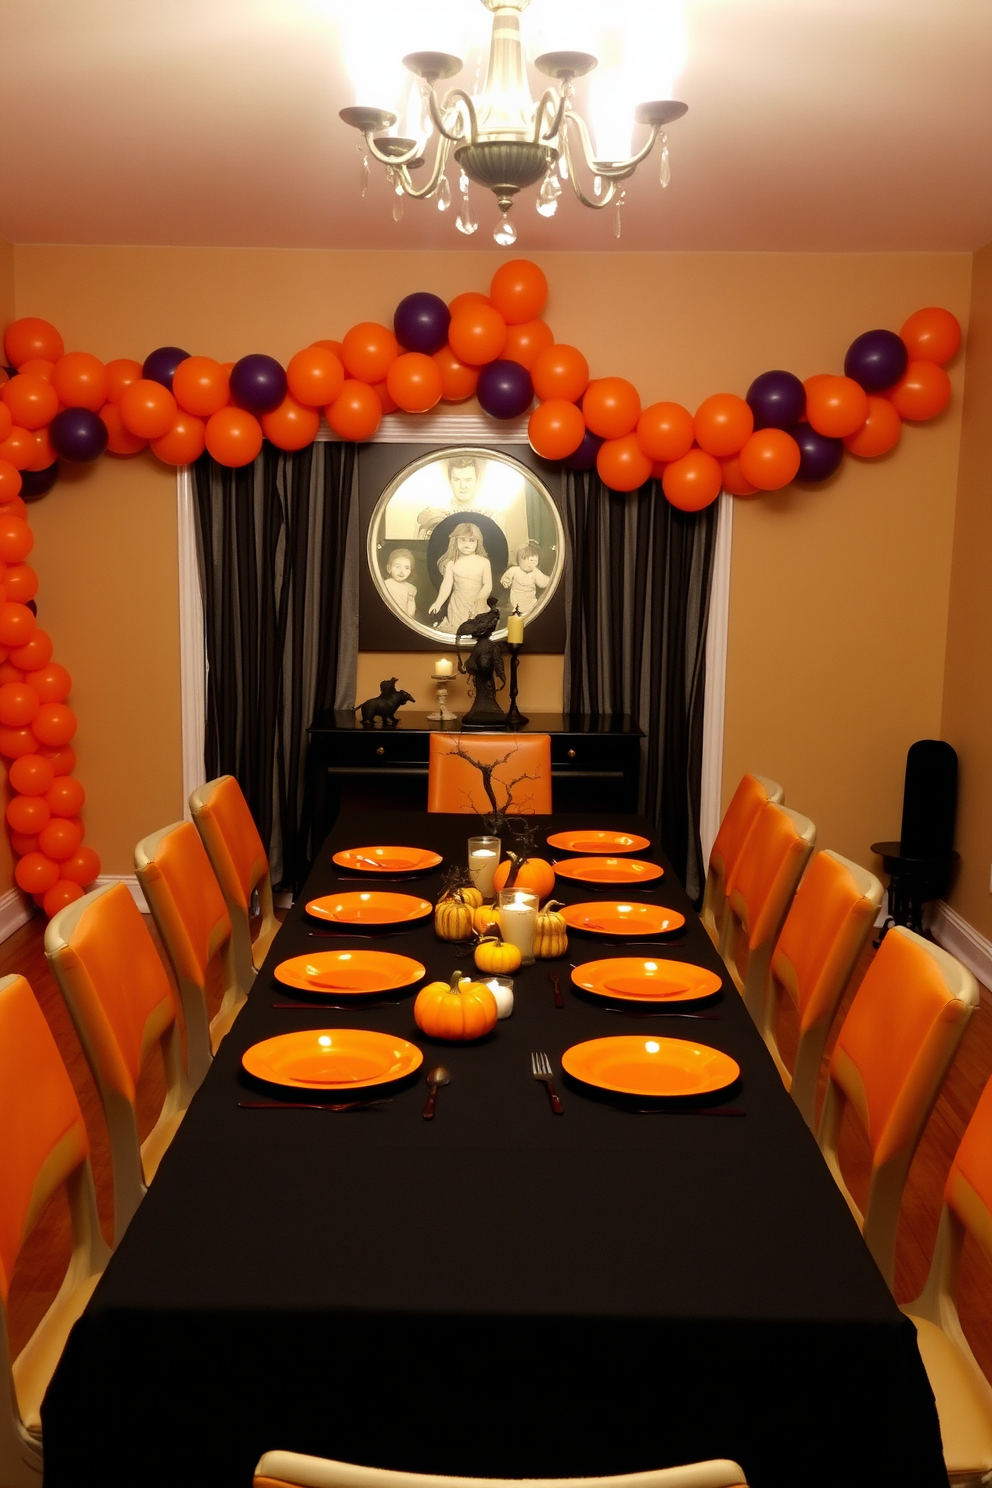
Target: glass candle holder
{"points": [[502, 990], [518, 921], [483, 860]]}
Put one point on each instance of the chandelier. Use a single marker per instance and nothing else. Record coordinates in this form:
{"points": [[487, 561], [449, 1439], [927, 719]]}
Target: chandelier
{"points": [[501, 139]]}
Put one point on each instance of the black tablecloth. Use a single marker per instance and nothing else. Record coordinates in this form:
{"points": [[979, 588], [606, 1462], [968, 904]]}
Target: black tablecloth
{"points": [[500, 1292]]}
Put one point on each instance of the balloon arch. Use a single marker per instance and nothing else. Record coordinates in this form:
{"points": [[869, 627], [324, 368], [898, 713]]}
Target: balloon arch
{"points": [[71, 406]]}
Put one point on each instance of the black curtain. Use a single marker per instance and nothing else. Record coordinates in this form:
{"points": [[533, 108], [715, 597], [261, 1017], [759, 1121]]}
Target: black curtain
{"points": [[280, 622], [637, 599]]}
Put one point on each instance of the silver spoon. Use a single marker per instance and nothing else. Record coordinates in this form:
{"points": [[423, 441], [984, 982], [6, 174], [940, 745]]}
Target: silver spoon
{"points": [[436, 1077]]}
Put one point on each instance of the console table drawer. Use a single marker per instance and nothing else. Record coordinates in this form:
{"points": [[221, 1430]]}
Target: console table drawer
{"points": [[378, 747]]}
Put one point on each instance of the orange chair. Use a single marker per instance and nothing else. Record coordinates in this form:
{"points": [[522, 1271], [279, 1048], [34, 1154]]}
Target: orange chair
{"points": [[238, 858], [521, 773], [753, 792], [293, 1470], [759, 892], [43, 1148], [185, 899], [824, 934], [891, 1057], [118, 994], [961, 1390]]}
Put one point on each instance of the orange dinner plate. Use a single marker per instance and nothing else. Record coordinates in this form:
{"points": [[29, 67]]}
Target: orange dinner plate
{"points": [[349, 971], [332, 1059], [631, 1064], [599, 842], [635, 980], [387, 859], [627, 871], [612, 918], [369, 908]]}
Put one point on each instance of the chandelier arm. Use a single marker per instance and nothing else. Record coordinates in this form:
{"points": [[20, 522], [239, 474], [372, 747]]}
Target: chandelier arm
{"points": [[550, 99], [394, 160], [454, 98], [604, 201], [619, 170], [419, 192], [437, 113]]}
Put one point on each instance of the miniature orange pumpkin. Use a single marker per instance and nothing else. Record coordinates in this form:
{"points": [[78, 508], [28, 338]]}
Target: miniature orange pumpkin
{"points": [[485, 917], [535, 874], [457, 1010], [497, 957]]}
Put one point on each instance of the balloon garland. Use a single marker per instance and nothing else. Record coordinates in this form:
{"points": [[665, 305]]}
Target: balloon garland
{"points": [[71, 406]]}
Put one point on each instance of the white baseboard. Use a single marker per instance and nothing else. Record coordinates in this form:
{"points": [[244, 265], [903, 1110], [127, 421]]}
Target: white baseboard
{"points": [[131, 880], [15, 910], [954, 933]]}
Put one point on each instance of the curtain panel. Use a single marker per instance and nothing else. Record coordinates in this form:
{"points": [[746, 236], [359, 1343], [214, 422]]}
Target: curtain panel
{"points": [[637, 601], [276, 542]]}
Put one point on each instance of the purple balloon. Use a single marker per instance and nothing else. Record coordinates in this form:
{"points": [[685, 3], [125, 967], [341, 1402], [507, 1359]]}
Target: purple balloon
{"points": [[876, 360], [777, 400], [77, 434], [505, 389], [160, 365], [819, 456], [38, 483], [584, 458], [421, 323], [258, 383]]}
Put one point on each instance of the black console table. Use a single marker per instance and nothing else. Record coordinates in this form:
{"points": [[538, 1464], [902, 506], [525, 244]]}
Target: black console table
{"points": [[595, 763]]}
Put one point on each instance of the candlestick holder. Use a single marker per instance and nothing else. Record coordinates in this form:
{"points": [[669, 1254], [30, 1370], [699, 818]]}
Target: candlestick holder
{"points": [[442, 713], [514, 717]]}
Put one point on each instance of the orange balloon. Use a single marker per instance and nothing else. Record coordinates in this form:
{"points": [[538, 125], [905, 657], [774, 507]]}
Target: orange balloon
{"points": [[44, 452], [19, 448], [61, 837], [414, 381], [611, 407], [28, 814], [368, 351], [10, 673], [32, 337], [6, 422], [20, 583], [17, 625], [519, 291], [477, 334], [387, 402], [80, 381], [458, 381], [233, 437], [121, 372], [65, 796], [120, 441], [356, 412], [722, 423], [291, 426], [835, 406], [931, 335], [36, 874], [51, 682], [622, 464], [10, 481], [19, 704], [32, 775], [315, 376], [147, 409], [184, 442], [524, 343], [665, 431], [13, 507], [560, 372], [16, 539], [692, 482], [82, 868], [923, 391], [23, 844], [15, 742], [63, 760], [201, 386], [32, 400], [734, 480], [54, 724], [35, 652], [770, 459], [556, 429], [470, 300], [880, 432], [60, 896], [40, 366]]}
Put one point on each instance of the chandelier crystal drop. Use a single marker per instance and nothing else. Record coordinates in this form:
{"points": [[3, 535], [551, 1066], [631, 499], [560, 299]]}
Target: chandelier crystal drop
{"points": [[501, 139]]}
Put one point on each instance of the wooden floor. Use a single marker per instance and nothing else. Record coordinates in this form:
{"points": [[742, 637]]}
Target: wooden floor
{"points": [[46, 1254]]}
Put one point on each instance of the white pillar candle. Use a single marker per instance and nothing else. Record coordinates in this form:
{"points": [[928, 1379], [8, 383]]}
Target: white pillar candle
{"points": [[444, 667], [502, 990], [518, 921], [483, 860]]}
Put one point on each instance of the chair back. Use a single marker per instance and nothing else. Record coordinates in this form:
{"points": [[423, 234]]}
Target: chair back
{"points": [[121, 1002], [753, 792], [236, 852], [43, 1148], [294, 1470], [519, 766], [759, 893], [188, 907], [890, 1060], [824, 933]]}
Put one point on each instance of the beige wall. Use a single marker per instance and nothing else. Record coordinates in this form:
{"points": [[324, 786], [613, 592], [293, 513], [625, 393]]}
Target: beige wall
{"points": [[967, 713], [839, 596]]}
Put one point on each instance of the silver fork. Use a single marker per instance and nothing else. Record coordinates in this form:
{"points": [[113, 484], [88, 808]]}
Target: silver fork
{"points": [[540, 1068]]}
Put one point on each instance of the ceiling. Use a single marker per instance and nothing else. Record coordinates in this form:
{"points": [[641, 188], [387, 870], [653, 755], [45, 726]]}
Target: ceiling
{"points": [[849, 125]]}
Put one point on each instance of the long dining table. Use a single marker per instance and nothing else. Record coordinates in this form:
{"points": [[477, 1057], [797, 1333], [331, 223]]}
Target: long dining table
{"points": [[499, 1292]]}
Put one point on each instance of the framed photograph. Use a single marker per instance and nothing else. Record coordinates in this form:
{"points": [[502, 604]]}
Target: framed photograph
{"points": [[447, 529]]}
